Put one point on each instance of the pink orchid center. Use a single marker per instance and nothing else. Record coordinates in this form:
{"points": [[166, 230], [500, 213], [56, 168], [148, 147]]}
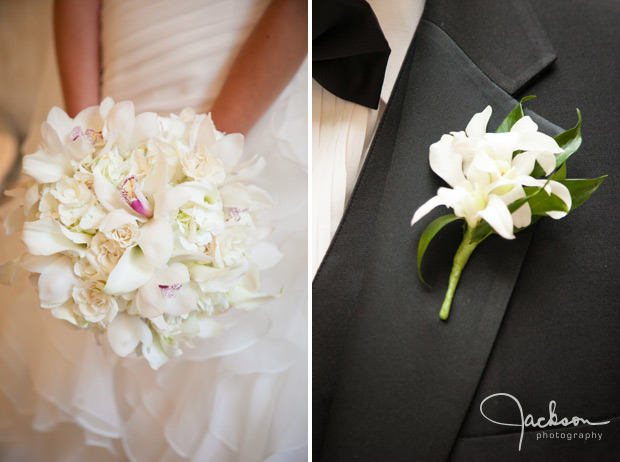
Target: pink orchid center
{"points": [[95, 137], [235, 213], [131, 191], [170, 291]]}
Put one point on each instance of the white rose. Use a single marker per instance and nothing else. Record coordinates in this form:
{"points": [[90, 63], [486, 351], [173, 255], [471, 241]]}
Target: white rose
{"points": [[125, 235], [211, 302], [197, 224], [169, 326], [113, 167], [48, 205], [85, 270], [229, 246], [92, 304], [86, 178], [92, 217], [74, 199], [104, 253], [201, 166]]}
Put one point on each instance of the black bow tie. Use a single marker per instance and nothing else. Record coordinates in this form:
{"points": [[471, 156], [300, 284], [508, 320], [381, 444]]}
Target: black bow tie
{"points": [[349, 50]]}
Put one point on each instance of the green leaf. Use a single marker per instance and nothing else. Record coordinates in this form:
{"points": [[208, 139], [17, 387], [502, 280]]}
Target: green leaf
{"points": [[570, 141], [429, 233], [513, 116], [541, 203], [560, 173], [581, 189], [538, 171], [534, 220], [481, 232]]}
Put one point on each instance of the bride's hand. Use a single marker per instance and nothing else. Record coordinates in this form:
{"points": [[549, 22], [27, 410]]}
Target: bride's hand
{"points": [[266, 63]]}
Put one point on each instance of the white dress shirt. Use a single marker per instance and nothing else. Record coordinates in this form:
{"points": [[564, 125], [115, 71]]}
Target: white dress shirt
{"points": [[342, 131]]}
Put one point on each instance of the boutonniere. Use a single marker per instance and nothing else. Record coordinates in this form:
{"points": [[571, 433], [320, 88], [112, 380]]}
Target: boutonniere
{"points": [[500, 183]]}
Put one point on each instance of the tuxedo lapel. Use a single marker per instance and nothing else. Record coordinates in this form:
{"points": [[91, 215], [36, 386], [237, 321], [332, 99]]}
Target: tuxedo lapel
{"points": [[407, 378]]}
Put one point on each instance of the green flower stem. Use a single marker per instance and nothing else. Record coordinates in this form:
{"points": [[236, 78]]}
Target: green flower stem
{"points": [[460, 260]]}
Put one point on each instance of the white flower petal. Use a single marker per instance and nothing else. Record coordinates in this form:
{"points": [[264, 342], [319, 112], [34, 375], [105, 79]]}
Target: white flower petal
{"points": [[154, 353], [56, 282], [208, 327], [547, 161], [120, 120], [426, 208], [146, 126], [522, 217], [45, 237], [89, 118], [484, 163], [52, 142], [175, 273], [31, 197], [60, 122], [125, 332], [219, 280], [131, 272], [524, 162], [563, 193], [497, 215], [445, 162], [524, 125], [229, 149], [14, 220], [526, 180], [236, 195], [477, 127], [105, 106], [502, 145], [76, 237], [536, 141], [45, 167], [78, 150], [169, 200], [65, 313], [261, 200], [182, 302], [243, 299], [156, 240], [207, 134], [107, 194], [37, 263], [156, 179], [149, 300], [116, 219]]}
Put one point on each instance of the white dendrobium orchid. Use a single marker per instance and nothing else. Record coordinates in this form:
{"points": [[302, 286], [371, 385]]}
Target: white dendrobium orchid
{"points": [[140, 226], [487, 172], [498, 182]]}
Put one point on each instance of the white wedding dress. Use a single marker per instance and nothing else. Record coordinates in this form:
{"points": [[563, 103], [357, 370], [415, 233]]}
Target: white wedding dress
{"points": [[239, 397]]}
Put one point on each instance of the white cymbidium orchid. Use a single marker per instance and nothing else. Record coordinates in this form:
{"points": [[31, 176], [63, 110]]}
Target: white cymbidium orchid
{"points": [[95, 129], [487, 172], [499, 181]]}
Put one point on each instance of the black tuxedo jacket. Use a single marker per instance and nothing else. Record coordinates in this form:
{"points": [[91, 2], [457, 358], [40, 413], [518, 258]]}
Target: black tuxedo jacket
{"points": [[538, 317]]}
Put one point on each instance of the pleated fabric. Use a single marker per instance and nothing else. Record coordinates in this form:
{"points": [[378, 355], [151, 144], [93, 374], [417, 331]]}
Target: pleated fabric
{"points": [[342, 130], [239, 397]]}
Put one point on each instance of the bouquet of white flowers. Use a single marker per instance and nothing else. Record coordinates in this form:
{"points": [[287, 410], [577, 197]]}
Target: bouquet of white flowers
{"points": [[141, 228]]}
